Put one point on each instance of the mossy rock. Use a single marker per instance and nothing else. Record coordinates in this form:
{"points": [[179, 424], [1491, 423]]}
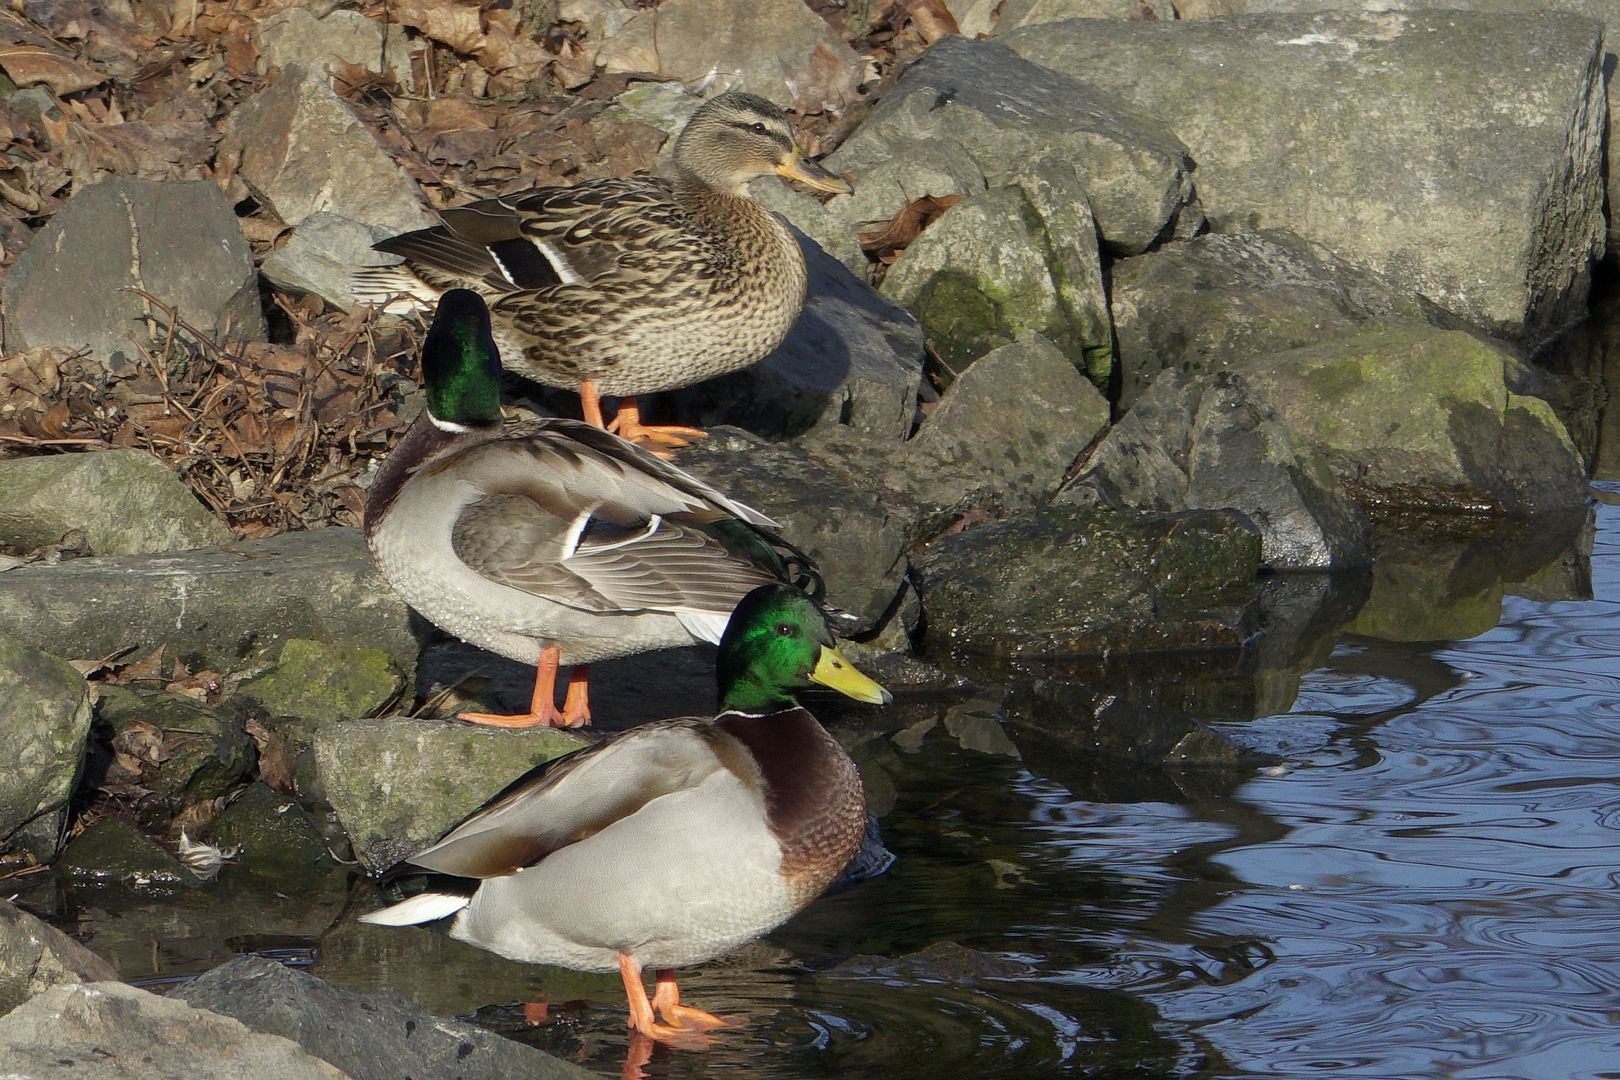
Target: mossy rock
{"points": [[112, 852], [205, 752], [275, 841], [318, 684]]}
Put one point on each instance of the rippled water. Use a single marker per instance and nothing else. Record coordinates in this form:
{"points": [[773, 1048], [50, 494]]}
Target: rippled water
{"points": [[1415, 877]]}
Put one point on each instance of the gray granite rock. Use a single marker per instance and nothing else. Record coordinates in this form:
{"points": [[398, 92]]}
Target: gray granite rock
{"points": [[1422, 418], [398, 783], [109, 1031], [1210, 442], [44, 722], [991, 113], [297, 36], [1071, 581], [1005, 262], [856, 531], [35, 957], [292, 141], [1200, 304], [321, 255], [779, 49], [1410, 167], [853, 358], [1004, 434], [226, 611], [177, 241], [125, 502], [380, 1036]]}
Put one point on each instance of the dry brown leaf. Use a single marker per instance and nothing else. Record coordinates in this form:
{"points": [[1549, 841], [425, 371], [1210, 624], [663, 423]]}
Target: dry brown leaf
{"points": [[455, 23], [886, 244], [30, 65], [931, 19]]}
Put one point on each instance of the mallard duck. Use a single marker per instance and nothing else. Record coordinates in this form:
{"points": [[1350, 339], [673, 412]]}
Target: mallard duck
{"points": [[667, 844], [553, 541], [630, 285]]}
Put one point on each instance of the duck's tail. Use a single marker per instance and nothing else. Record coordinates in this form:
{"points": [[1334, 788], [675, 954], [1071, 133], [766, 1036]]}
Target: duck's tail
{"points": [[421, 908]]}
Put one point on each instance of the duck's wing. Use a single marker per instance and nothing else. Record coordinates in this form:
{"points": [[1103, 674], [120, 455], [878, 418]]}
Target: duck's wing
{"points": [[576, 515], [572, 798]]}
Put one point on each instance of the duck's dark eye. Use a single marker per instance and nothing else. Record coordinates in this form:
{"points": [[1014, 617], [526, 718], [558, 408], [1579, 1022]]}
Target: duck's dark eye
{"points": [[784, 629], [759, 127]]}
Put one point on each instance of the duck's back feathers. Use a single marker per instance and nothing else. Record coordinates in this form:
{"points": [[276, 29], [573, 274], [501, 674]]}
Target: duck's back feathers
{"points": [[573, 798]]}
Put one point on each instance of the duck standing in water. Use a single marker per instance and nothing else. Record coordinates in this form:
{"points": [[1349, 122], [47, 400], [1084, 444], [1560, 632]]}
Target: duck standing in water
{"points": [[671, 843], [628, 285], [553, 541]]}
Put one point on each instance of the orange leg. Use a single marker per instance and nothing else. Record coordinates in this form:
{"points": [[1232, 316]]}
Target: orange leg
{"points": [[627, 425], [542, 706], [666, 1003], [590, 404], [641, 1012], [576, 711]]}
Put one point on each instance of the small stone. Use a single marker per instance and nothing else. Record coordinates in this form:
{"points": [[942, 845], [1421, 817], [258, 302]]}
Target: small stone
{"points": [[336, 40], [321, 684], [206, 753], [274, 841], [44, 724], [114, 853]]}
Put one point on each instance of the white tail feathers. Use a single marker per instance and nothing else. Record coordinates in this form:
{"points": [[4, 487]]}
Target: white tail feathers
{"points": [[424, 907], [402, 291]]}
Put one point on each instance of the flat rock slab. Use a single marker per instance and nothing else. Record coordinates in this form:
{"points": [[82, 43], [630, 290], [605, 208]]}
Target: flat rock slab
{"points": [[180, 242], [971, 115], [126, 502], [369, 1036], [1420, 418], [225, 611], [853, 359], [44, 722], [1413, 165], [1071, 581], [109, 1031], [399, 783], [35, 957]]}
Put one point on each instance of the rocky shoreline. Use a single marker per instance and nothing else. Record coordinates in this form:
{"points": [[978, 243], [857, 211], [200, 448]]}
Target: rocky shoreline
{"points": [[1139, 342]]}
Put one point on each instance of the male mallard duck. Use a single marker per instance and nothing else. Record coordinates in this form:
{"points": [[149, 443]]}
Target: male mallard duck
{"points": [[625, 286], [553, 541], [671, 843]]}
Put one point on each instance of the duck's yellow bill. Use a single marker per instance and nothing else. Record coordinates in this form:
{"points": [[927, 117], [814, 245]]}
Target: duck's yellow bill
{"points": [[832, 670], [809, 173]]}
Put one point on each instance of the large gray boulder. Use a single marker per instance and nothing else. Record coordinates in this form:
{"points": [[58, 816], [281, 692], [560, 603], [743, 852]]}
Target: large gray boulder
{"points": [[125, 502], [225, 611], [1072, 581], [779, 49], [1210, 443], [1421, 418], [178, 242], [294, 141], [852, 358], [1410, 167], [109, 1031], [44, 722], [35, 957], [1007, 261], [1198, 305], [970, 115], [1004, 434], [379, 1036], [398, 783]]}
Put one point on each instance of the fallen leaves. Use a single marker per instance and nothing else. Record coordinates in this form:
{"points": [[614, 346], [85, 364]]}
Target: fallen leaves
{"points": [[885, 244], [30, 65]]}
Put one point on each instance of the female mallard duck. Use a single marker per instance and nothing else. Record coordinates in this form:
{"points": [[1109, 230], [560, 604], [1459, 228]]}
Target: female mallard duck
{"points": [[668, 844], [625, 286], [553, 541]]}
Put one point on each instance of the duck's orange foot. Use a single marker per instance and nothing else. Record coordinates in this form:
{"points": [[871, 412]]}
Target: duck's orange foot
{"points": [[550, 718], [576, 710], [686, 1018], [656, 439]]}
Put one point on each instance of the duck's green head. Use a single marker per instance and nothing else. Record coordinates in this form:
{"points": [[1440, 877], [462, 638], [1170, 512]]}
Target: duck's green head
{"points": [[460, 364], [777, 644]]}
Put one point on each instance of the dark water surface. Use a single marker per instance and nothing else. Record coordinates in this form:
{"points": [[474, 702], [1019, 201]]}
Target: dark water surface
{"points": [[1414, 876]]}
